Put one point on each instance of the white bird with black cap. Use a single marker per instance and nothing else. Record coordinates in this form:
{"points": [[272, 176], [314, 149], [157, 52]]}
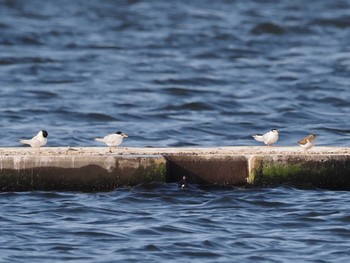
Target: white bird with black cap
{"points": [[114, 139], [38, 140], [268, 138]]}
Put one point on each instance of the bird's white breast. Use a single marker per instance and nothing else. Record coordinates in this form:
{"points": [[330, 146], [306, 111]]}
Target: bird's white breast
{"points": [[113, 139], [270, 137]]}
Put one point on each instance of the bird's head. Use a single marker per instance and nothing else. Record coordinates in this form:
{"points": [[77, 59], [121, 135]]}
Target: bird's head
{"points": [[274, 131], [124, 135], [44, 133]]}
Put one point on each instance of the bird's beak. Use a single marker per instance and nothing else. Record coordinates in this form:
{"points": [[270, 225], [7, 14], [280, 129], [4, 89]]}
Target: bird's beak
{"points": [[125, 135], [276, 132]]}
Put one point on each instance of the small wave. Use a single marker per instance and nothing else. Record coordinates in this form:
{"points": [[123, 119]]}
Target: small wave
{"points": [[59, 81], [340, 22], [144, 232], [149, 187], [151, 248], [24, 60], [191, 106], [182, 91], [96, 47], [207, 55], [287, 78], [4, 26], [40, 94], [91, 116], [177, 91], [22, 40], [267, 28], [200, 81], [99, 117], [334, 130], [236, 53], [337, 102], [11, 115]]}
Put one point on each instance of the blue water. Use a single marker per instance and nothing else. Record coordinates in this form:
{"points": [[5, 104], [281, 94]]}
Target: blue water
{"points": [[161, 223], [175, 73]]}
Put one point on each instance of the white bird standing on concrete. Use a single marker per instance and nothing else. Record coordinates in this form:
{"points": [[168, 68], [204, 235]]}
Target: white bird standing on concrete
{"points": [[268, 138], [38, 140], [308, 142], [114, 139]]}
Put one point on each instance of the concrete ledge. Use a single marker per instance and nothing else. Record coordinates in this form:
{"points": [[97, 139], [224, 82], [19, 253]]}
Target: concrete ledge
{"points": [[95, 169], [78, 173]]}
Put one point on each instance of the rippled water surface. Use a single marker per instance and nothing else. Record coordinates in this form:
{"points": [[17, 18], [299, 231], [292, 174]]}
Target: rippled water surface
{"points": [[157, 223], [175, 73]]}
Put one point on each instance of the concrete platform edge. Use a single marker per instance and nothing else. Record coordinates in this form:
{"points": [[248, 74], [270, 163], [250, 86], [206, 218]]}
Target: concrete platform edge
{"points": [[58, 169]]}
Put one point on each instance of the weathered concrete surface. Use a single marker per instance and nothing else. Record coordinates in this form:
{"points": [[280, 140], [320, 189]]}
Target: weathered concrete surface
{"points": [[96, 169], [78, 173], [208, 170], [229, 151], [322, 171]]}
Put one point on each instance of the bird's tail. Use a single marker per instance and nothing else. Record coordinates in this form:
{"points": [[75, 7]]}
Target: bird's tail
{"points": [[24, 141], [258, 137], [99, 139]]}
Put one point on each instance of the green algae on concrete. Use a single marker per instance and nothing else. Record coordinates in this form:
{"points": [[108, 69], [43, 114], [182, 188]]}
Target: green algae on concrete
{"points": [[331, 172], [144, 170], [153, 170]]}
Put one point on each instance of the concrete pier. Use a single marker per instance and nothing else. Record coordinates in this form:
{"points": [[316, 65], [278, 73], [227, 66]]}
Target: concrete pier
{"points": [[97, 169]]}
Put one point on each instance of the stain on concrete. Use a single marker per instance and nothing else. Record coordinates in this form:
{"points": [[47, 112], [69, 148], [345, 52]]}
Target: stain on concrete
{"points": [[208, 170]]}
